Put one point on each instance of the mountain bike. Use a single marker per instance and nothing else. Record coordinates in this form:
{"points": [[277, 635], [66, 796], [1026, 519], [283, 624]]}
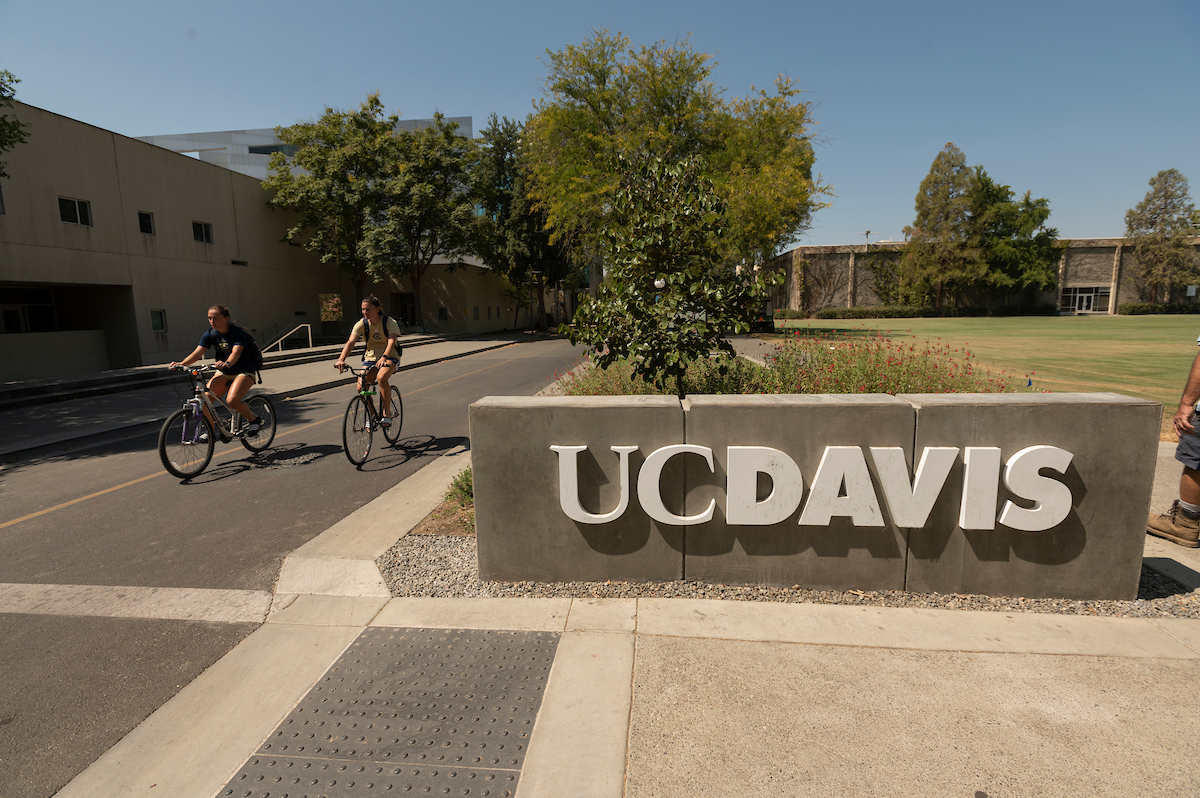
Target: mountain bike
{"points": [[188, 437], [362, 419]]}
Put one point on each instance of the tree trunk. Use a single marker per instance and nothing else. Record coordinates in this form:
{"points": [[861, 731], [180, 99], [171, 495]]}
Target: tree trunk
{"points": [[541, 289]]}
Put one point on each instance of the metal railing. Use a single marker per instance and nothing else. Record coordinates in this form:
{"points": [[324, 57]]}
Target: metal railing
{"points": [[278, 341]]}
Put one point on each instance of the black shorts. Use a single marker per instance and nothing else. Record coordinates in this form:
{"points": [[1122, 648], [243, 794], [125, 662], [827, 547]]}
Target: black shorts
{"points": [[1188, 450], [395, 361]]}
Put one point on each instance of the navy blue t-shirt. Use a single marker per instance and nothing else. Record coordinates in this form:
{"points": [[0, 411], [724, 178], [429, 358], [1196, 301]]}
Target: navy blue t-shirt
{"points": [[247, 362]]}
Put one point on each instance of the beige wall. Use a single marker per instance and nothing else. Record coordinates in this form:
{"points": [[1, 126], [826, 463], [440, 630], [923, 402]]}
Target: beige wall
{"points": [[246, 267]]}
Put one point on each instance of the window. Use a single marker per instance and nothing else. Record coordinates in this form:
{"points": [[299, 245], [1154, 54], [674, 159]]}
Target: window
{"points": [[476, 313], [158, 320], [1, 200], [73, 211], [443, 314], [489, 312], [146, 222], [202, 232]]}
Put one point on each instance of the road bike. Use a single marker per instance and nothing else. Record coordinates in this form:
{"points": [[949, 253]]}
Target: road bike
{"points": [[362, 419], [187, 438]]}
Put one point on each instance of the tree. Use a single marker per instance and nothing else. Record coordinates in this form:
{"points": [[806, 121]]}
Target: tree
{"points": [[427, 209], [12, 130], [1010, 238], [335, 179], [670, 299], [607, 106], [510, 235], [936, 256], [1158, 228], [971, 235]]}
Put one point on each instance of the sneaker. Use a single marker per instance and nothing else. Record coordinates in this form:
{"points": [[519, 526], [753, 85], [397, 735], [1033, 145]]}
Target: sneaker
{"points": [[254, 427], [203, 437], [385, 422], [1176, 526]]}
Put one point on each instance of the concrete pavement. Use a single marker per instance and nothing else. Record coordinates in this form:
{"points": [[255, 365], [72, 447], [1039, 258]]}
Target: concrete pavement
{"points": [[673, 697]]}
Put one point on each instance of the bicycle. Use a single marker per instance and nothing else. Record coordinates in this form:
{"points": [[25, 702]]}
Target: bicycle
{"points": [[362, 419], [187, 438]]}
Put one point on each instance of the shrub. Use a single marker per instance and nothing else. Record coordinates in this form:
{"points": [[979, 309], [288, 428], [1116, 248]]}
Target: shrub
{"points": [[881, 312], [788, 313], [461, 490], [815, 362], [1149, 308]]}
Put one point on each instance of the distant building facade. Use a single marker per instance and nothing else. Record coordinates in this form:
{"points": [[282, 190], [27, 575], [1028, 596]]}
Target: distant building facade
{"points": [[1095, 275], [112, 249]]}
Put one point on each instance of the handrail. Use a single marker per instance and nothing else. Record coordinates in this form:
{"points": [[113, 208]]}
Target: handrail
{"points": [[279, 341]]}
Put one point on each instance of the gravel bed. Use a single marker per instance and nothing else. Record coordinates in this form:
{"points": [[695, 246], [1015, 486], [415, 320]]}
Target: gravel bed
{"points": [[443, 566]]}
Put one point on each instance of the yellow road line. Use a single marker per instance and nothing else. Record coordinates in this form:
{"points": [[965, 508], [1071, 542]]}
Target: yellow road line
{"points": [[231, 451]]}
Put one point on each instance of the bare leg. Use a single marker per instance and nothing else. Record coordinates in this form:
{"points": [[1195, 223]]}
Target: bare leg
{"points": [[1189, 486]]}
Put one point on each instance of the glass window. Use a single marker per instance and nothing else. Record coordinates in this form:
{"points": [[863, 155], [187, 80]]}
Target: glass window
{"points": [[443, 314], [158, 320], [146, 222], [74, 211], [476, 313], [202, 232]]}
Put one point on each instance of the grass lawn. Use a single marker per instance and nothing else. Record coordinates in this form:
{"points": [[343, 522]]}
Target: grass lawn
{"points": [[1143, 356]]}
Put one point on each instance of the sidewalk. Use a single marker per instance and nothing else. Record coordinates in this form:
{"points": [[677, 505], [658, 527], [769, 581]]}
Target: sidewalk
{"points": [[32, 431], [663, 697]]}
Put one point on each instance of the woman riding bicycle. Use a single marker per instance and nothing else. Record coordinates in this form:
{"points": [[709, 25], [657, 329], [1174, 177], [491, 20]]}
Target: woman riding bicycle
{"points": [[238, 359], [382, 355]]}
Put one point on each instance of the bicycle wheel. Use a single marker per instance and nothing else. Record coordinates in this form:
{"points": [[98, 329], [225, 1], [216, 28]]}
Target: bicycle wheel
{"points": [[180, 447], [392, 433], [261, 407], [356, 431]]}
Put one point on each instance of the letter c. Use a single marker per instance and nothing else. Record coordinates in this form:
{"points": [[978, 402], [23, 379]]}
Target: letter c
{"points": [[648, 485]]}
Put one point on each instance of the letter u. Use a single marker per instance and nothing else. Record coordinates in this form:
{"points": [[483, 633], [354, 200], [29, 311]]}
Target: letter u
{"points": [[568, 485]]}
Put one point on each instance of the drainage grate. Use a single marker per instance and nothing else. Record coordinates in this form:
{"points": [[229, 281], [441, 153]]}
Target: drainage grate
{"points": [[410, 711]]}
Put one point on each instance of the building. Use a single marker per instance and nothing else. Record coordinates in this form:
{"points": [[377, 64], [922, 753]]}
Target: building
{"points": [[112, 249], [1095, 275]]}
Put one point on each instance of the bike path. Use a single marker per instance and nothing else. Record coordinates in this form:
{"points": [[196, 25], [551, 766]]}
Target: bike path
{"points": [[36, 431], [664, 697]]}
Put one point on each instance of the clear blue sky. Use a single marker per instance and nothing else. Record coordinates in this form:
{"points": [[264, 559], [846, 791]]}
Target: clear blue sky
{"points": [[1079, 102]]}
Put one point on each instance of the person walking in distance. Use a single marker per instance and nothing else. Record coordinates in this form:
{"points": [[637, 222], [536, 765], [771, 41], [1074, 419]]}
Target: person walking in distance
{"points": [[1181, 524], [382, 355]]}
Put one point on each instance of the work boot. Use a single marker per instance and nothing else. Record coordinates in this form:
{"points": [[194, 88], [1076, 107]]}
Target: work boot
{"points": [[1176, 526]]}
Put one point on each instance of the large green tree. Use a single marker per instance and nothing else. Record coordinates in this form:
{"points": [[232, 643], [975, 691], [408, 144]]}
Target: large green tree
{"points": [[1010, 236], [427, 209], [12, 130], [607, 106], [335, 179], [511, 236], [1158, 228], [937, 258], [972, 235]]}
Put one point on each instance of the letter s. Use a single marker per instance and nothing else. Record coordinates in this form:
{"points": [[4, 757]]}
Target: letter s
{"points": [[1051, 498]]}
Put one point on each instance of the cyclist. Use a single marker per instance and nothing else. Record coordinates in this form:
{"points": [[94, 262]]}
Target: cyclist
{"points": [[238, 359], [382, 355]]}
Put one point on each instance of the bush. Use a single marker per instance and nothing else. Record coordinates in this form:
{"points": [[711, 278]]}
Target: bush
{"points": [[1149, 308], [814, 362], [788, 313], [461, 489], [881, 312]]}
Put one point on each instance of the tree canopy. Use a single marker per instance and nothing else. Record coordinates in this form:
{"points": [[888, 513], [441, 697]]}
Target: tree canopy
{"points": [[12, 130], [427, 209], [335, 180], [1158, 228], [607, 106], [971, 235], [510, 235]]}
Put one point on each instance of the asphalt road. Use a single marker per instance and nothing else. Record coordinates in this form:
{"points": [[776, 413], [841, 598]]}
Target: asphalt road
{"points": [[70, 687]]}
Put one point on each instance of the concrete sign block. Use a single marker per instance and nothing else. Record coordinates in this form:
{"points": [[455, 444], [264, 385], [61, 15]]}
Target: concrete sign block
{"points": [[794, 487], [1050, 498], [523, 448]]}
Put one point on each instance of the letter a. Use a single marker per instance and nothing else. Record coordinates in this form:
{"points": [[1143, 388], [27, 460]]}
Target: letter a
{"points": [[568, 485], [842, 464]]}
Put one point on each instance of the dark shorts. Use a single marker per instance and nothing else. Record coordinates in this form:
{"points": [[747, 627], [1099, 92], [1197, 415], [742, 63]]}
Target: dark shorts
{"points": [[395, 361], [1188, 450]]}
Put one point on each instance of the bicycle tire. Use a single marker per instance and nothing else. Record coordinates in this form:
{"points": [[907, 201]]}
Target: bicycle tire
{"points": [[261, 407], [392, 433], [185, 460], [356, 431]]}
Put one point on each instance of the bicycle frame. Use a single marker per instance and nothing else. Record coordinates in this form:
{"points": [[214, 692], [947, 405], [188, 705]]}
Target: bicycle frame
{"points": [[198, 402]]}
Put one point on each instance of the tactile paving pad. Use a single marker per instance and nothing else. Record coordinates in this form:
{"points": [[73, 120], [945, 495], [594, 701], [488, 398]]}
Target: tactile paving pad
{"points": [[410, 712]]}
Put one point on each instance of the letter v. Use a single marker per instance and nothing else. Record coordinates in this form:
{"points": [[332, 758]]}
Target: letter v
{"points": [[910, 505]]}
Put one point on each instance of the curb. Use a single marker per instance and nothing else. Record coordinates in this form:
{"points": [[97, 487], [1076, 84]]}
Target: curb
{"points": [[145, 427]]}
